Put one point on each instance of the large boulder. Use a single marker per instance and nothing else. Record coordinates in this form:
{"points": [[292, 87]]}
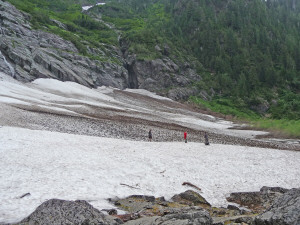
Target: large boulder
{"points": [[284, 211], [56, 211], [190, 197]]}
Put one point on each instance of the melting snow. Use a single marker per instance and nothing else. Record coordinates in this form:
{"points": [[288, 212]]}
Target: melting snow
{"points": [[147, 93], [57, 165]]}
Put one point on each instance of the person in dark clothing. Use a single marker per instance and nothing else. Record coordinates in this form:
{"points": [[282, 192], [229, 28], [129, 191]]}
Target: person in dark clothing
{"points": [[185, 136], [206, 142], [150, 135]]}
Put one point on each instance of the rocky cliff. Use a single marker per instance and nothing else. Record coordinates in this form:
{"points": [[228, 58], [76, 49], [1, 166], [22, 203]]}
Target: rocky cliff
{"points": [[28, 54]]}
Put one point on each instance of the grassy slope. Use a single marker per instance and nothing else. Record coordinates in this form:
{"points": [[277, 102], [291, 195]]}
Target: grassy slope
{"points": [[287, 128]]}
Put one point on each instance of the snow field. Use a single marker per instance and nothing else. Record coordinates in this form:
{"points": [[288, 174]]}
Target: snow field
{"points": [[58, 165], [69, 98]]}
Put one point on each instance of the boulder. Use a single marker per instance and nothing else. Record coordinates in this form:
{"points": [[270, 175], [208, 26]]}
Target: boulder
{"points": [[284, 211], [56, 211], [191, 198]]}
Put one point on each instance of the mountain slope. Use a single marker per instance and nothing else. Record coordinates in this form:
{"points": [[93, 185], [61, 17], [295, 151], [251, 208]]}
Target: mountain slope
{"points": [[243, 52], [87, 51]]}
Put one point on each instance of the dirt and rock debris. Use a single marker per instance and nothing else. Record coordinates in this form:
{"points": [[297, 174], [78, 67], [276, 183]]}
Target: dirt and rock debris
{"points": [[185, 208], [114, 124]]}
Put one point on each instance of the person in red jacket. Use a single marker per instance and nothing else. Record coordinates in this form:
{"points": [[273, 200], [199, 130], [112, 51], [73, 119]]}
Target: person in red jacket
{"points": [[185, 136]]}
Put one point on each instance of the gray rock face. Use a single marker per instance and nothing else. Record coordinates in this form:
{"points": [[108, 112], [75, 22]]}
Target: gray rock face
{"points": [[57, 211], [284, 211], [38, 54], [28, 54], [158, 74], [185, 216]]}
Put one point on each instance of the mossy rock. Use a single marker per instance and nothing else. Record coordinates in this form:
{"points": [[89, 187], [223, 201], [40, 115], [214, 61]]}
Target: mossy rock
{"points": [[191, 198]]}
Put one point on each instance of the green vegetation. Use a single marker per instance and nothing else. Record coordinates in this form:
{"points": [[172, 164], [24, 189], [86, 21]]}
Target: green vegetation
{"points": [[226, 107], [285, 127], [78, 28], [289, 128], [140, 26], [288, 106], [247, 51]]}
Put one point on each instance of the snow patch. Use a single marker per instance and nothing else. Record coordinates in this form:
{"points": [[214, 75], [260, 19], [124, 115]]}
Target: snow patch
{"points": [[147, 93], [66, 166], [70, 89], [84, 8]]}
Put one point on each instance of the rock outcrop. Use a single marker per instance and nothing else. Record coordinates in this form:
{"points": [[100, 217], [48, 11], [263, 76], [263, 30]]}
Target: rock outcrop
{"points": [[160, 74], [284, 211], [57, 211], [257, 201], [37, 54], [28, 54], [188, 208]]}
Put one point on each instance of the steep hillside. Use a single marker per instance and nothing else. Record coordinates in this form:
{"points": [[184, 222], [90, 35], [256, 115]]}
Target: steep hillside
{"points": [[60, 41], [240, 54], [245, 51]]}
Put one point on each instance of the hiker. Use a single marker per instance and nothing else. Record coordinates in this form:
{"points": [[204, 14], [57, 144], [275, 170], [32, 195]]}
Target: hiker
{"points": [[206, 142], [185, 136], [150, 135]]}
